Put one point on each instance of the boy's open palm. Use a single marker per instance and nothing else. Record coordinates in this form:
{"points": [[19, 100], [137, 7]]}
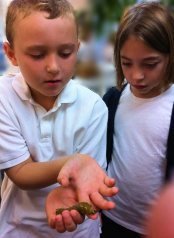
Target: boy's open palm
{"points": [[62, 198]]}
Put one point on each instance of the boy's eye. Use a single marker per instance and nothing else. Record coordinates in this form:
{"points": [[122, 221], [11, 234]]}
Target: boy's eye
{"points": [[36, 56], [65, 54]]}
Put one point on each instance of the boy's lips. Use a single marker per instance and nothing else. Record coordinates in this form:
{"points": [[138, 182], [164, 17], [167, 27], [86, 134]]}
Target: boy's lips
{"points": [[53, 82]]}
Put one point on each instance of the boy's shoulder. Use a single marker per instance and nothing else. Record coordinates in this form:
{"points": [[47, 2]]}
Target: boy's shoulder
{"points": [[84, 91], [6, 81], [7, 89], [82, 95]]}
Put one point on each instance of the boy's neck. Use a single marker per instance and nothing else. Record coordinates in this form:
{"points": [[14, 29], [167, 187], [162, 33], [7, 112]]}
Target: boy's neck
{"points": [[48, 104], [45, 101]]}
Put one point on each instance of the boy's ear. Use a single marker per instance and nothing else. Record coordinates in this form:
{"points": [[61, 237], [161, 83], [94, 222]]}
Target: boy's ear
{"points": [[78, 45], [10, 53]]}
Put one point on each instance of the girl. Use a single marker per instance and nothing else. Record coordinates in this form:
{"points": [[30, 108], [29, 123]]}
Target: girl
{"points": [[144, 57]]}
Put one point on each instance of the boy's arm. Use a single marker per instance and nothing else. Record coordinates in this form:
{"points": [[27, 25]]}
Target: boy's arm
{"points": [[74, 170], [34, 175]]}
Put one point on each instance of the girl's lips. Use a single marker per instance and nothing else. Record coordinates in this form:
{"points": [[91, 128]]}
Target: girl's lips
{"points": [[139, 86]]}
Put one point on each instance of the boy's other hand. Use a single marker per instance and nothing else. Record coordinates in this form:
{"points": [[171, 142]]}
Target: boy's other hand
{"points": [[89, 180]]}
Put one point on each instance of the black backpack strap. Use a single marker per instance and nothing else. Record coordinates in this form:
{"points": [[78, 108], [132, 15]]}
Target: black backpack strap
{"points": [[2, 174], [111, 98], [170, 149]]}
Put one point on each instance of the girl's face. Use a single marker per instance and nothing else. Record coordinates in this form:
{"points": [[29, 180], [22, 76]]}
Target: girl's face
{"points": [[143, 67]]}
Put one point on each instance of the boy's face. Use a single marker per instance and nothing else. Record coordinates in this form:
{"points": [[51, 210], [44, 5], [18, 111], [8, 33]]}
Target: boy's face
{"points": [[45, 51]]}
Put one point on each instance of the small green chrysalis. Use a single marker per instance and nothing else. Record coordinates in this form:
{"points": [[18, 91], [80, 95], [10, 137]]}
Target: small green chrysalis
{"points": [[83, 208]]}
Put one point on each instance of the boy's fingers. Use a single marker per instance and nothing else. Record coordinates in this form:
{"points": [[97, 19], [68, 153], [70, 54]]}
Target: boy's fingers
{"points": [[110, 182], [77, 217], [69, 223], [93, 217], [59, 225], [52, 222], [99, 201], [63, 180], [108, 192]]}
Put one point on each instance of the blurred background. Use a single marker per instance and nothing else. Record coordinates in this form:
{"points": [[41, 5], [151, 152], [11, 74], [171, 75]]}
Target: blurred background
{"points": [[98, 22]]}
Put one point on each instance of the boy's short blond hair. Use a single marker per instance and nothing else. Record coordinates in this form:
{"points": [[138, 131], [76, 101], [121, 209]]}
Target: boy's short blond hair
{"points": [[23, 8]]}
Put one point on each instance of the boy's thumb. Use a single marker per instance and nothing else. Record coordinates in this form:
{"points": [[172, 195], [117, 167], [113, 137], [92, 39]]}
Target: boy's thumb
{"points": [[63, 180]]}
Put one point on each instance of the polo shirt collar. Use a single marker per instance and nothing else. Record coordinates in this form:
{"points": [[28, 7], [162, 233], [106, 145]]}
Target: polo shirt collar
{"points": [[68, 94]]}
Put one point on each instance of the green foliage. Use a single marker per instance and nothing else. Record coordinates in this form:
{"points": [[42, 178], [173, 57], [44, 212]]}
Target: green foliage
{"points": [[168, 2], [105, 11]]}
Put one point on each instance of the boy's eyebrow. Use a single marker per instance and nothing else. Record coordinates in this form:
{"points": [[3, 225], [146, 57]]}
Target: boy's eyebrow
{"points": [[68, 45], [43, 47]]}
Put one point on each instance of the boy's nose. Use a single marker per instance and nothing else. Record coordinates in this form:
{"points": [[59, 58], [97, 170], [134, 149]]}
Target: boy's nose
{"points": [[52, 66]]}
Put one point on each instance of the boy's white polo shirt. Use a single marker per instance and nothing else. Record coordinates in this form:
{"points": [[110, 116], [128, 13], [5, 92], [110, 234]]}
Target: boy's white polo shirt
{"points": [[76, 124]]}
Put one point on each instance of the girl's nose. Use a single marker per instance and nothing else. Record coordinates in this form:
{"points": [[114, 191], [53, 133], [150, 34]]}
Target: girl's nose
{"points": [[137, 74]]}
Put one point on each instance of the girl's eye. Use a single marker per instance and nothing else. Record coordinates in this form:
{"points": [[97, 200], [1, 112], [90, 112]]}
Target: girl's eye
{"points": [[126, 64], [151, 65]]}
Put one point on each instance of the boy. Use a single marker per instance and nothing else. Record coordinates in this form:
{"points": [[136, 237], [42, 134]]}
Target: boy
{"points": [[45, 115]]}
